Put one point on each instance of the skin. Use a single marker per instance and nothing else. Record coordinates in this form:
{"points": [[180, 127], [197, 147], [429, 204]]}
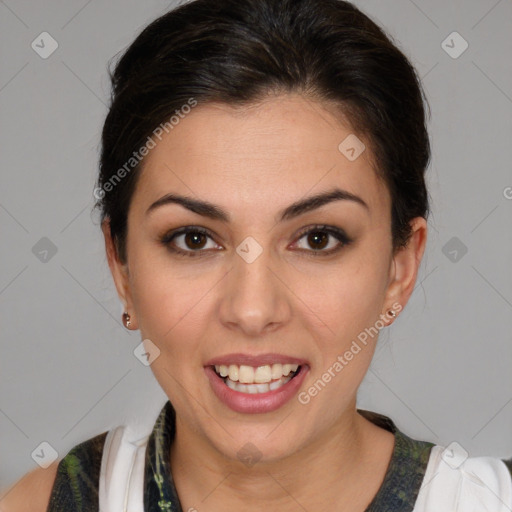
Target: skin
{"points": [[30, 493], [254, 162]]}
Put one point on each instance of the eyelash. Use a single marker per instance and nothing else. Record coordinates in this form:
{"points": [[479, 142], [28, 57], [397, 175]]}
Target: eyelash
{"points": [[337, 233]]}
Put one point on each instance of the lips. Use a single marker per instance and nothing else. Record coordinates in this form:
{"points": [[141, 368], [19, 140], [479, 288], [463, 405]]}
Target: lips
{"points": [[253, 396]]}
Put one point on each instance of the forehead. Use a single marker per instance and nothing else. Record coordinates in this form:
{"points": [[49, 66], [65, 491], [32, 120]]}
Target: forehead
{"points": [[277, 151]]}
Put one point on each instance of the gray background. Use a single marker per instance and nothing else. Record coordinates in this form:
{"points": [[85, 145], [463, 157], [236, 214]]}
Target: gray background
{"points": [[67, 369]]}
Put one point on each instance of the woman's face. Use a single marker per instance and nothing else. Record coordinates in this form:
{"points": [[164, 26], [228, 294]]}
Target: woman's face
{"points": [[265, 283]]}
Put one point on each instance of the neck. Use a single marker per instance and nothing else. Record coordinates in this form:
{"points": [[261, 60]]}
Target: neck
{"points": [[345, 465]]}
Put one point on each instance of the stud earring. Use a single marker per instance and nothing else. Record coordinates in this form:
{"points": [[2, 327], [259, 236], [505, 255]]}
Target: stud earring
{"points": [[126, 320], [392, 314]]}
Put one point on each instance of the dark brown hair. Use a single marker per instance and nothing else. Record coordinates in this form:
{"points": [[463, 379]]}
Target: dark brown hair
{"points": [[238, 52]]}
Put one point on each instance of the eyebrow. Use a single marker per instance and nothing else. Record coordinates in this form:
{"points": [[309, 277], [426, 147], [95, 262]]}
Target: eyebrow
{"points": [[300, 207]]}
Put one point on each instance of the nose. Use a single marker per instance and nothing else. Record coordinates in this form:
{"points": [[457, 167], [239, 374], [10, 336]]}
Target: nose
{"points": [[254, 299]]}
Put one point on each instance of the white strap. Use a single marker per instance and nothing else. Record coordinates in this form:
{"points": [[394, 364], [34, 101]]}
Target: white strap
{"points": [[121, 485], [135, 491], [476, 484]]}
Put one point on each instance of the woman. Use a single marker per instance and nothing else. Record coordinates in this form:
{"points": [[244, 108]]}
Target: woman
{"points": [[264, 212]]}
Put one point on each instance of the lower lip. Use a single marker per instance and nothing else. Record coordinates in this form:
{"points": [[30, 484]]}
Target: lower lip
{"points": [[257, 402]]}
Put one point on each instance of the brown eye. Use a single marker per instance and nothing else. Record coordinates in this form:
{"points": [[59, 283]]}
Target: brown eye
{"points": [[188, 241], [319, 237], [194, 240]]}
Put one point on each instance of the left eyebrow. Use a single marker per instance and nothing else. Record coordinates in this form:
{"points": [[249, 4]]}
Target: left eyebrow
{"points": [[300, 207]]}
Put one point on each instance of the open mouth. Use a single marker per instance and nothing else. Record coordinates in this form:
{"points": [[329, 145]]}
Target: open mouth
{"points": [[256, 380]]}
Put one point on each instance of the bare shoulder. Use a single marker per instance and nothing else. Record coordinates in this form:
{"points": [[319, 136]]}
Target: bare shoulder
{"points": [[31, 493], [73, 481]]}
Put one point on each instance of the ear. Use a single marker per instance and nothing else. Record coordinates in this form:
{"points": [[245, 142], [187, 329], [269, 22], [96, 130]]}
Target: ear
{"points": [[404, 267], [119, 271]]}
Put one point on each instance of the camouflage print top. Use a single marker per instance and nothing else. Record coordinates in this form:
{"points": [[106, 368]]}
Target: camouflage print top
{"points": [[76, 485]]}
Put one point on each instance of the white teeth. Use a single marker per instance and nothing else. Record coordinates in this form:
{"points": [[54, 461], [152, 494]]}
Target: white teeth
{"points": [[262, 388], [263, 374], [276, 384], [277, 371], [231, 384], [233, 372], [253, 389], [260, 375], [287, 368], [246, 374]]}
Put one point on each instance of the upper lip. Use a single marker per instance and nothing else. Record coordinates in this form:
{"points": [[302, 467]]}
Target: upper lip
{"points": [[254, 360]]}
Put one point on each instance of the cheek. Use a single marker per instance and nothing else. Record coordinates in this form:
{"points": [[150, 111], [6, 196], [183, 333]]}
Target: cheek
{"points": [[171, 306], [346, 299]]}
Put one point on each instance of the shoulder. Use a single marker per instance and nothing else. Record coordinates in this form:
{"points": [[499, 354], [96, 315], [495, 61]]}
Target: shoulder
{"points": [[69, 484], [30, 493]]}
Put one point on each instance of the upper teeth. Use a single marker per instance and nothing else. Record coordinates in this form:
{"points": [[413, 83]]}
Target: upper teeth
{"points": [[260, 375]]}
